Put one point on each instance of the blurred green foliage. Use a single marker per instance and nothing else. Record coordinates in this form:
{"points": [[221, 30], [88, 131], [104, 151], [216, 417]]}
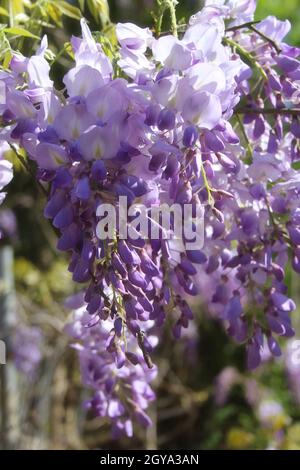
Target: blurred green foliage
{"points": [[284, 10]]}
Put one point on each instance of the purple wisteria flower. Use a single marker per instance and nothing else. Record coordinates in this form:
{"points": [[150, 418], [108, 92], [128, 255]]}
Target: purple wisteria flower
{"points": [[208, 119]]}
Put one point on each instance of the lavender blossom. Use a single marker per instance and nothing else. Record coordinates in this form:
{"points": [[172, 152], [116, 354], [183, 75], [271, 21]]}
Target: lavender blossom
{"points": [[209, 119], [119, 378]]}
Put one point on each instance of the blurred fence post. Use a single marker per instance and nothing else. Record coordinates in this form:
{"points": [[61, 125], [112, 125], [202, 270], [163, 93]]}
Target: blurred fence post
{"points": [[9, 389]]}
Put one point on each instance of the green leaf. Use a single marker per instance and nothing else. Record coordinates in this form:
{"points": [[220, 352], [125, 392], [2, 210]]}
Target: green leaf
{"points": [[54, 13], [100, 10], [3, 12], [296, 165], [81, 4], [17, 7], [7, 59], [68, 10], [20, 32]]}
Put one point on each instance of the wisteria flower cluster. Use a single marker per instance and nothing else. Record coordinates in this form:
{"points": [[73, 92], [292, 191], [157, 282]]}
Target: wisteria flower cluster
{"points": [[120, 381], [208, 117]]}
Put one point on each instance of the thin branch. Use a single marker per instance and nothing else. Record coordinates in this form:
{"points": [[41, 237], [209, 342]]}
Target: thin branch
{"points": [[250, 25], [163, 6], [244, 25], [266, 38], [272, 111], [172, 9]]}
